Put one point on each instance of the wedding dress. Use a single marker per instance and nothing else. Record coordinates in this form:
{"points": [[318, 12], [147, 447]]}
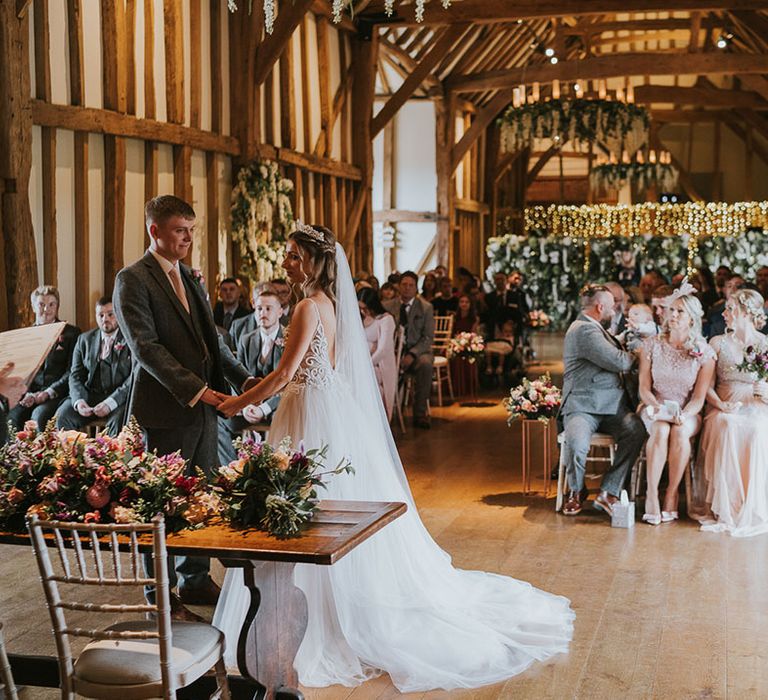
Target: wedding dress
{"points": [[394, 604], [734, 450]]}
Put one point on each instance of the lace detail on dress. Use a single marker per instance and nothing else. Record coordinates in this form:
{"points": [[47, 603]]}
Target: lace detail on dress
{"points": [[315, 369], [729, 354], [674, 372]]}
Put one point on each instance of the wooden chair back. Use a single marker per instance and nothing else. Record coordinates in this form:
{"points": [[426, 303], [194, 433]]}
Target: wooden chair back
{"points": [[72, 540], [443, 333]]}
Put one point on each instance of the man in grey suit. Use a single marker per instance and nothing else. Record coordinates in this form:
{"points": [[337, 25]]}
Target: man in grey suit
{"points": [[100, 378], [181, 365], [594, 399], [259, 352], [417, 317]]}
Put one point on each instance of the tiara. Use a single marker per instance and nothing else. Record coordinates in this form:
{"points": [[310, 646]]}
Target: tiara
{"points": [[313, 233]]}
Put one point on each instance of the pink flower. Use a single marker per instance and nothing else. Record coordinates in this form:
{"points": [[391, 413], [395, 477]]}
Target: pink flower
{"points": [[92, 517], [97, 496]]}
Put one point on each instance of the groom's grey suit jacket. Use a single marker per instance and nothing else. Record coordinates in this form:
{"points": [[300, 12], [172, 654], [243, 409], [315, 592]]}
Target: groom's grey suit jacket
{"points": [[175, 353], [594, 361]]}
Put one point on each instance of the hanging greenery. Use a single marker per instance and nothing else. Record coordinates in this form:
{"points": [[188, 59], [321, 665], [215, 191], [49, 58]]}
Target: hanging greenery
{"points": [[618, 126], [565, 247], [613, 176], [337, 8], [262, 218]]}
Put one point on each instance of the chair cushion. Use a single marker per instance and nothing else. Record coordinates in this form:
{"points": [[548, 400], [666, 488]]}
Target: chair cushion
{"points": [[137, 661], [440, 361]]}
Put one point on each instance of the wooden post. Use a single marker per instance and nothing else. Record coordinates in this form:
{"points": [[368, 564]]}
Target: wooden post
{"points": [[444, 115], [359, 232], [388, 196], [489, 178], [717, 179], [18, 240]]}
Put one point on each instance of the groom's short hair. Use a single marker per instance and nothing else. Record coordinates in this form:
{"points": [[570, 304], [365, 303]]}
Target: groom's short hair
{"points": [[159, 209]]}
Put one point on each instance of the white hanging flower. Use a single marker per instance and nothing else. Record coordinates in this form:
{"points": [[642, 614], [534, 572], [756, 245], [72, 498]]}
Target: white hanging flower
{"points": [[269, 15]]}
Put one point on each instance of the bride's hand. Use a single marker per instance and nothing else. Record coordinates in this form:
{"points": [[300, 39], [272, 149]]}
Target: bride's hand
{"points": [[232, 406]]}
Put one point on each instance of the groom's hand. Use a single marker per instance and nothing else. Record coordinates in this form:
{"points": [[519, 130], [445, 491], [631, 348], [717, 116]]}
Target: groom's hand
{"points": [[212, 398]]}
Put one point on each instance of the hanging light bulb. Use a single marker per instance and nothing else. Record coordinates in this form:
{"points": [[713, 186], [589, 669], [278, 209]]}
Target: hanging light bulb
{"points": [[553, 60], [549, 52]]}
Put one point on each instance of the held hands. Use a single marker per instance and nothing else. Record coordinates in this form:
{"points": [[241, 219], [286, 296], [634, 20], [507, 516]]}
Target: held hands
{"points": [[84, 409], [41, 397], [102, 410], [232, 405], [213, 398], [28, 400]]}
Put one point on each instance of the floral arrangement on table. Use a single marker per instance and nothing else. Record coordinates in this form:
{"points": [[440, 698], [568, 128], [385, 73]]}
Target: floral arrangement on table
{"points": [[617, 125], [641, 176], [537, 399], [755, 362], [274, 489], [565, 246], [467, 346], [262, 218], [65, 475], [337, 8], [538, 319]]}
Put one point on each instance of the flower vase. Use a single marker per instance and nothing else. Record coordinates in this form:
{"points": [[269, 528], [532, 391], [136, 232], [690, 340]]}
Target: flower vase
{"points": [[535, 433]]}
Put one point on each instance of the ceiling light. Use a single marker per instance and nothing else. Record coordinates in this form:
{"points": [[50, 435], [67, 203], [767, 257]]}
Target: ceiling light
{"points": [[722, 43], [553, 60], [549, 52]]}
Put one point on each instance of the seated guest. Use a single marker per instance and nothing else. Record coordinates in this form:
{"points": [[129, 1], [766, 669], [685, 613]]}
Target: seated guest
{"points": [[429, 287], [649, 283], [259, 352], [618, 320], [100, 379], [499, 347], [228, 308], [704, 281], [416, 316], [380, 328], [733, 454], [50, 385], [248, 323], [761, 280], [594, 399], [676, 368], [445, 303], [284, 294], [659, 301], [715, 323], [12, 388], [494, 303], [722, 275], [388, 291]]}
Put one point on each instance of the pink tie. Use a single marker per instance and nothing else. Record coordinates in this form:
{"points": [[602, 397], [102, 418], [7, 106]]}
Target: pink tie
{"points": [[107, 347], [178, 287]]}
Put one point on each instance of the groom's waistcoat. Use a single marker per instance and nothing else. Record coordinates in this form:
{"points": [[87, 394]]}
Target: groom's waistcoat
{"points": [[593, 362]]}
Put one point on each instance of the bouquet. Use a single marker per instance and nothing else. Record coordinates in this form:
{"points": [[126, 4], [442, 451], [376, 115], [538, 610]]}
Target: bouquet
{"points": [[273, 489], [755, 362], [65, 475], [538, 319], [468, 346], [538, 399]]}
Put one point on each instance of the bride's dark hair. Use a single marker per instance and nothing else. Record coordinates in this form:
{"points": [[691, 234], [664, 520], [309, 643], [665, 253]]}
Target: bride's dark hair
{"points": [[318, 244]]}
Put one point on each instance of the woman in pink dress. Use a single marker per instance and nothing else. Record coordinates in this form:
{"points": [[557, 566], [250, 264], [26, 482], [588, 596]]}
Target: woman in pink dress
{"points": [[678, 366], [733, 455]]}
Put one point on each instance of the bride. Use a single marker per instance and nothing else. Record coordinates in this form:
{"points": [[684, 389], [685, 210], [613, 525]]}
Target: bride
{"points": [[394, 604]]}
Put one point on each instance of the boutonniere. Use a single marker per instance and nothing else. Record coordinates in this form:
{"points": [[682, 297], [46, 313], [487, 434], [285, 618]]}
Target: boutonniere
{"points": [[197, 276], [279, 342], [119, 346]]}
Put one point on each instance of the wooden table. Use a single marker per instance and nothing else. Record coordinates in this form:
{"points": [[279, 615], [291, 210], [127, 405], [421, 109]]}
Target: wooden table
{"points": [[277, 618]]}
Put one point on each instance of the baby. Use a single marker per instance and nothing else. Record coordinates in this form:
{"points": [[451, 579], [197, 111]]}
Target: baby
{"points": [[640, 325]]}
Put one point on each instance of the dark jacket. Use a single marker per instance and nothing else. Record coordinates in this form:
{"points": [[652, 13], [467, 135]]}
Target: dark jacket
{"points": [[54, 373], [218, 315], [176, 354], [249, 354], [85, 363]]}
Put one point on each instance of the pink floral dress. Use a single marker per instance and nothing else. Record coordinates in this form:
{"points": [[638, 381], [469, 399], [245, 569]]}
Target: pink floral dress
{"points": [[673, 371]]}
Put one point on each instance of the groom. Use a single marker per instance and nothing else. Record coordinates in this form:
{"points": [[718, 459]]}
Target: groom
{"points": [[594, 399], [181, 366]]}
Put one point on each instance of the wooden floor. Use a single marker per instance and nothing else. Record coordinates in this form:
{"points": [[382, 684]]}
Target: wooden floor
{"points": [[665, 612]]}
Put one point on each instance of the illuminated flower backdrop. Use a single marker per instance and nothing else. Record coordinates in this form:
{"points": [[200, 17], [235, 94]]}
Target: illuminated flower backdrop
{"points": [[565, 247]]}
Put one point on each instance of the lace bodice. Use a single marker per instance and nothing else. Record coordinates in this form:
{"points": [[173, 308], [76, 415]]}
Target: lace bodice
{"points": [[674, 372], [730, 353], [315, 369]]}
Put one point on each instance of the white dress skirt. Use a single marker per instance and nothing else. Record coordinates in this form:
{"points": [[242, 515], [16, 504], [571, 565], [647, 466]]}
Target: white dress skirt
{"points": [[395, 604]]}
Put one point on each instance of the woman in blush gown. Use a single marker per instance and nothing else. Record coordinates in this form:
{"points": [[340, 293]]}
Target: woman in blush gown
{"points": [[676, 365], [395, 604], [733, 455], [380, 329]]}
